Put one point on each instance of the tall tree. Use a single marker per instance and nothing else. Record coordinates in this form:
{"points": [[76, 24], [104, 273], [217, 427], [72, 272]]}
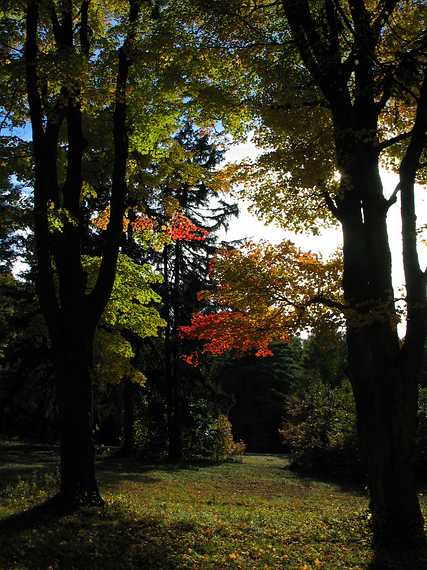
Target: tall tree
{"points": [[191, 189], [342, 85], [71, 313]]}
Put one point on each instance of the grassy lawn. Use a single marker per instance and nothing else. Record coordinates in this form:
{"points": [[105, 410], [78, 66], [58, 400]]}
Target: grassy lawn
{"points": [[253, 514]]}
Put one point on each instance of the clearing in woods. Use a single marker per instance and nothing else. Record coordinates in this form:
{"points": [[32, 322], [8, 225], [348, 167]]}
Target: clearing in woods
{"points": [[253, 513]]}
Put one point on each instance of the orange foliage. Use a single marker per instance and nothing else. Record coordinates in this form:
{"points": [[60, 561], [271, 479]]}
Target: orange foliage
{"points": [[143, 223], [268, 292], [180, 227], [226, 331], [183, 229]]}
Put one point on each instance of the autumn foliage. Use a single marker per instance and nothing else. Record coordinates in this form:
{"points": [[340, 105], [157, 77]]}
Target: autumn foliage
{"points": [[266, 292], [182, 228], [224, 331], [178, 228]]}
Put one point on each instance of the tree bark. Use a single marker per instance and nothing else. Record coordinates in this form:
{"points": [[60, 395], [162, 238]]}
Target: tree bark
{"points": [[386, 402], [385, 390], [72, 316], [383, 374], [75, 401], [129, 394], [175, 436]]}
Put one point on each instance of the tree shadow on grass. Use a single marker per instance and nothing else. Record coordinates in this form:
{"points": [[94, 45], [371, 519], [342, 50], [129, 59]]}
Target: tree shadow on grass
{"points": [[34, 517], [25, 460], [399, 558], [115, 469], [347, 483], [108, 538]]}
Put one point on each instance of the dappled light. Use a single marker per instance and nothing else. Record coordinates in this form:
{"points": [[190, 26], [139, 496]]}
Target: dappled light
{"points": [[181, 387]]}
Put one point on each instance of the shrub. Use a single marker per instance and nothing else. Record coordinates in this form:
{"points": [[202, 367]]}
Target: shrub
{"points": [[209, 437], [320, 430], [225, 446]]}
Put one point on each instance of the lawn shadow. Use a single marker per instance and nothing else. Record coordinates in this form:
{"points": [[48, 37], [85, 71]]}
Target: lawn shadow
{"points": [[108, 538], [399, 558], [34, 517], [24, 460], [116, 468], [355, 485]]}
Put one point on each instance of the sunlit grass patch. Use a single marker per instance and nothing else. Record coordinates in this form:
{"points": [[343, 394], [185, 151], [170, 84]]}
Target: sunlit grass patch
{"points": [[255, 515]]}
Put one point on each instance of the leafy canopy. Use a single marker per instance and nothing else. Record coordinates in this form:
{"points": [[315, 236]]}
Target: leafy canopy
{"points": [[264, 293]]}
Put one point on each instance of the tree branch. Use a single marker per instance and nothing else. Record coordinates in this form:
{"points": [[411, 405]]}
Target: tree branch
{"points": [[385, 12], [84, 28], [56, 25], [332, 207], [390, 142], [393, 198], [45, 283], [413, 347], [100, 294]]}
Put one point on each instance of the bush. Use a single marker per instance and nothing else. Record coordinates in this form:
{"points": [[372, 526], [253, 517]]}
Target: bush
{"points": [[209, 437], [225, 447], [320, 430]]}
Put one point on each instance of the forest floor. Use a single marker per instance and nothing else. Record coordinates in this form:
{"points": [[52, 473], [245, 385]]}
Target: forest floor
{"points": [[254, 514]]}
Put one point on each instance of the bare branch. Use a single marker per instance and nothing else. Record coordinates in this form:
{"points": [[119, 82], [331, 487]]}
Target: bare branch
{"points": [[390, 142], [332, 207], [393, 198]]}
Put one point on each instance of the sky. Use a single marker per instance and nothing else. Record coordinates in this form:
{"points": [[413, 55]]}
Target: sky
{"points": [[250, 226]]}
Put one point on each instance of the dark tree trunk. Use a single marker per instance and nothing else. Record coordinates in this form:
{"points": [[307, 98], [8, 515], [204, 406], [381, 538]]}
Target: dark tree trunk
{"points": [[174, 416], [386, 402], [175, 448], [129, 395], [383, 373], [75, 401], [72, 316], [385, 389]]}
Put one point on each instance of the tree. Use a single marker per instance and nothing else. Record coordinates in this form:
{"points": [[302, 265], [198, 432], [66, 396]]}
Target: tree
{"points": [[257, 390], [341, 87], [188, 204], [264, 293], [71, 314], [128, 318]]}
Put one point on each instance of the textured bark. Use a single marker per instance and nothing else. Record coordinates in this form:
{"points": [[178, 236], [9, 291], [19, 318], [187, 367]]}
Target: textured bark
{"points": [[385, 389], [386, 402], [72, 316], [128, 395], [383, 373], [75, 402]]}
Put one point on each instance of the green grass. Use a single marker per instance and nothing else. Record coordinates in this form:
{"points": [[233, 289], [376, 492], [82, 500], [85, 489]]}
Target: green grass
{"points": [[253, 514]]}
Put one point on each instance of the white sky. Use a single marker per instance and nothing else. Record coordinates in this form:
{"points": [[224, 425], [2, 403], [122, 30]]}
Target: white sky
{"points": [[249, 226]]}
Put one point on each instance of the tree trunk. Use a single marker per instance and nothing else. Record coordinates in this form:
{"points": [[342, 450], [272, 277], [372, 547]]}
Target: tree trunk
{"points": [[386, 404], [175, 448], [383, 374], [129, 394], [75, 401], [385, 389], [175, 438]]}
